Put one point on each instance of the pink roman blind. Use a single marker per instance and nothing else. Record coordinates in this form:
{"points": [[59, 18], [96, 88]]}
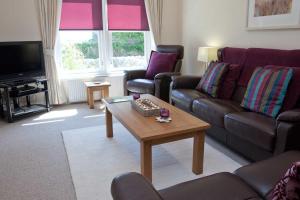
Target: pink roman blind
{"points": [[127, 15], [81, 15]]}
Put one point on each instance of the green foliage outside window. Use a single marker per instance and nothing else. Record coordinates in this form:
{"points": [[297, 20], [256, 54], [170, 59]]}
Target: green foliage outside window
{"points": [[89, 48], [85, 54], [128, 44]]}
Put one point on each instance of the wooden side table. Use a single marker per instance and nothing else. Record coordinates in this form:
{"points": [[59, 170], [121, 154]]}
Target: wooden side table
{"points": [[102, 87]]}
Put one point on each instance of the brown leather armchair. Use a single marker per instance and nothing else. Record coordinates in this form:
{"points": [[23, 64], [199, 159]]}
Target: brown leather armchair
{"points": [[135, 81], [254, 181]]}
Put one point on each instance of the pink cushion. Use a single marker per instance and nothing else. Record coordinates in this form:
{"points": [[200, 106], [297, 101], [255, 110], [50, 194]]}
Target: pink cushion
{"points": [[160, 62], [293, 92], [289, 186], [230, 81]]}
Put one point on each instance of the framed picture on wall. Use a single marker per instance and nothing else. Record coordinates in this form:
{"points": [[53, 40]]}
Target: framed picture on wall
{"points": [[273, 14]]}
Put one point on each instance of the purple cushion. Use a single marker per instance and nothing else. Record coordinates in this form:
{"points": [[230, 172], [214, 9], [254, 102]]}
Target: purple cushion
{"points": [[289, 186], [212, 78], [293, 92], [160, 62], [230, 81], [266, 90]]}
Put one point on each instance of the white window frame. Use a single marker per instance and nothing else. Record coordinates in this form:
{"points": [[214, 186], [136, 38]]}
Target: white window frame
{"points": [[147, 51], [106, 51]]}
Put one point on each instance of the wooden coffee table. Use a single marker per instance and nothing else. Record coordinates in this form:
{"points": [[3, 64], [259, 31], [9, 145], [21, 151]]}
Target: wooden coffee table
{"points": [[149, 132]]}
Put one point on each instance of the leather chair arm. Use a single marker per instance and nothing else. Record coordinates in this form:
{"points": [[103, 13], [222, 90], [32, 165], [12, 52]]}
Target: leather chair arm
{"points": [[185, 82], [262, 176], [167, 75], [162, 84], [133, 186], [289, 116], [134, 74]]}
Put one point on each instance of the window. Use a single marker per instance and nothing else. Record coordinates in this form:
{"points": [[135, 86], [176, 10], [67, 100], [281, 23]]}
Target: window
{"points": [[118, 40], [80, 51]]}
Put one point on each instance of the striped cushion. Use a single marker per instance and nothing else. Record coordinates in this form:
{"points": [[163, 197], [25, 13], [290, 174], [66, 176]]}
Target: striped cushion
{"points": [[210, 81], [266, 90]]}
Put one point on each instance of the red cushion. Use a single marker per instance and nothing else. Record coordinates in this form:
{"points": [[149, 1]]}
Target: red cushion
{"points": [[293, 93], [160, 62], [230, 81]]}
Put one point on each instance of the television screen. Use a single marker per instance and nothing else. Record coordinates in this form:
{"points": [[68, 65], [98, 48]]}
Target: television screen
{"points": [[21, 60]]}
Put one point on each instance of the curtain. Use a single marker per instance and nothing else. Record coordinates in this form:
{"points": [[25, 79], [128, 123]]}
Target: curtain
{"points": [[49, 11], [154, 9]]}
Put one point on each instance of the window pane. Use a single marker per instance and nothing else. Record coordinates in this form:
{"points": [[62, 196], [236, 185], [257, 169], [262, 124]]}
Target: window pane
{"points": [[128, 49], [80, 50]]}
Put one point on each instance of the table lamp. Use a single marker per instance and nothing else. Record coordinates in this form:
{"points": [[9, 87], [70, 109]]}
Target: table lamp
{"points": [[207, 54]]}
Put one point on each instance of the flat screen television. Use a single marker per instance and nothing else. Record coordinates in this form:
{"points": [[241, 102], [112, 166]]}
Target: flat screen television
{"points": [[21, 60]]}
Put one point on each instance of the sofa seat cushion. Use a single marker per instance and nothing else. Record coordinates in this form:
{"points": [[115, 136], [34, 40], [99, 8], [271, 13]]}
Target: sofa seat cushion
{"points": [[253, 127], [214, 110], [183, 98], [142, 86], [218, 186]]}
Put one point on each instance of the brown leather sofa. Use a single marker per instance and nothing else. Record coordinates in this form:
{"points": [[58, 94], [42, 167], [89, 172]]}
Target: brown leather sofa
{"points": [[251, 182], [254, 135], [135, 82]]}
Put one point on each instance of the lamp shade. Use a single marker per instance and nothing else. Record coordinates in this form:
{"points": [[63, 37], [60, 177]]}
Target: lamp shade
{"points": [[207, 54]]}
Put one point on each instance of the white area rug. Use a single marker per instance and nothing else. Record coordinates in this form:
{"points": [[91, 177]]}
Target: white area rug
{"points": [[95, 160]]}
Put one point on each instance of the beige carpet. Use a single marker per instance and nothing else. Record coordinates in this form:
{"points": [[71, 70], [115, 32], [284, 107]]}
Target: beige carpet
{"points": [[95, 160]]}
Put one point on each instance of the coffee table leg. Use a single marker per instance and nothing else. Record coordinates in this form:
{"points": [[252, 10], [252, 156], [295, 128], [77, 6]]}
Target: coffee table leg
{"points": [[109, 124], [198, 153], [91, 98], [146, 160], [87, 95]]}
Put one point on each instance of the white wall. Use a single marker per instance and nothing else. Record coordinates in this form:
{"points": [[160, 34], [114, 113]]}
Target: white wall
{"points": [[19, 20], [223, 23]]}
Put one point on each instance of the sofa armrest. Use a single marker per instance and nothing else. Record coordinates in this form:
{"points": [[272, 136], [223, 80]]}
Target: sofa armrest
{"points": [[133, 186], [262, 176], [134, 74], [185, 82], [168, 75], [289, 116]]}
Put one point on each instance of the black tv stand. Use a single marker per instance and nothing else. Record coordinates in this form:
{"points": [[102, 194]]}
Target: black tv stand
{"points": [[11, 93]]}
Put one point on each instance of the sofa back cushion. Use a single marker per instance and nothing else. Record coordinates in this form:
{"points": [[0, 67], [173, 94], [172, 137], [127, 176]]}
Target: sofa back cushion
{"points": [[160, 62], [233, 55], [212, 78], [251, 58], [257, 57], [229, 82], [266, 90]]}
